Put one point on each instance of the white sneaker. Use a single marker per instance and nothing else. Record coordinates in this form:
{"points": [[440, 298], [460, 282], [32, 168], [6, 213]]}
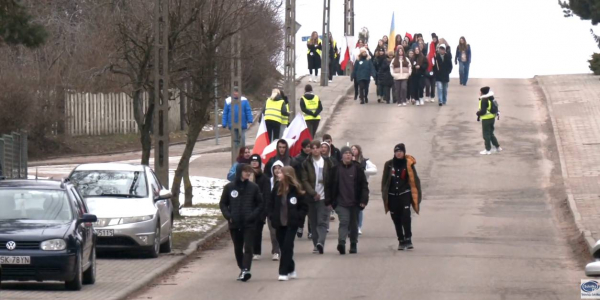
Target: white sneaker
{"points": [[422, 102], [256, 257], [404, 104], [418, 103], [276, 257], [485, 152], [399, 104], [330, 81], [359, 231], [498, 149], [293, 275], [283, 278]]}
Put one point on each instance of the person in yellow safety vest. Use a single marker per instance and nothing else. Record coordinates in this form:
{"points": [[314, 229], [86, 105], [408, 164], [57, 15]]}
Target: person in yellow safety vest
{"points": [[333, 56], [285, 120], [487, 113], [314, 55], [311, 108], [274, 111]]}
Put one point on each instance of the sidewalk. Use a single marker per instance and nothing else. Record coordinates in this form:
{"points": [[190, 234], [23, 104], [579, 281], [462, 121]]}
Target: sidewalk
{"points": [[574, 107], [330, 96]]}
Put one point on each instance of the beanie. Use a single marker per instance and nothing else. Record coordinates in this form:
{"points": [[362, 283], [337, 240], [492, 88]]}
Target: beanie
{"points": [[485, 90], [345, 149], [256, 157], [400, 147]]}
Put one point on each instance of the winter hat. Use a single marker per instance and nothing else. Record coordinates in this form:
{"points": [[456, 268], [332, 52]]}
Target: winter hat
{"points": [[400, 147], [485, 90], [443, 46], [345, 149], [256, 157]]}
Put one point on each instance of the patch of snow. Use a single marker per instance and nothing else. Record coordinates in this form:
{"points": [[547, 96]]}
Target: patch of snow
{"points": [[206, 190], [199, 211], [195, 224]]}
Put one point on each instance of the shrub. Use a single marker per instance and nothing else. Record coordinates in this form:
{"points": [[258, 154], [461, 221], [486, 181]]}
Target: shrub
{"points": [[595, 63]]}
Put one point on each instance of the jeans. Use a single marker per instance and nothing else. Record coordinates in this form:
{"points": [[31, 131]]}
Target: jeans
{"points": [[400, 212], [488, 134], [242, 246], [240, 141], [380, 91], [386, 93], [348, 224], [361, 217], [442, 90], [318, 217], [285, 237], [463, 71], [401, 90]]}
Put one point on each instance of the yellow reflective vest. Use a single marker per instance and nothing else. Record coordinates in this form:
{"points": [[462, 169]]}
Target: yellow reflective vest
{"points": [[311, 105], [318, 50], [285, 120], [273, 110], [488, 114]]}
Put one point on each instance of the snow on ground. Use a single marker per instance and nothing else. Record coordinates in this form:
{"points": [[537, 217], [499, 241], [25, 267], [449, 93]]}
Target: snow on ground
{"points": [[195, 224], [206, 190], [200, 212]]}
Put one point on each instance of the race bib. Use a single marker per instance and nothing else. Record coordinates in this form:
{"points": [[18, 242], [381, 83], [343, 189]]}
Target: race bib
{"points": [[234, 194], [293, 200]]}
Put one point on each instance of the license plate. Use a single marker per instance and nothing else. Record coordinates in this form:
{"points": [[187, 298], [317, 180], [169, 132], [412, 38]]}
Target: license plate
{"points": [[105, 232], [15, 260]]}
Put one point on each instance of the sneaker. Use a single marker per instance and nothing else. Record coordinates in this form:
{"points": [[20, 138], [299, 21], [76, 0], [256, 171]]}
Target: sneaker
{"points": [[422, 102], [276, 257], [366, 100], [399, 104], [320, 248], [440, 104], [359, 231], [401, 246], [283, 278], [409, 245], [241, 276], [418, 103], [362, 101], [485, 152], [497, 149], [330, 81], [378, 100], [256, 257], [342, 249], [246, 275], [300, 232], [293, 275], [315, 250], [355, 97], [404, 104], [353, 248]]}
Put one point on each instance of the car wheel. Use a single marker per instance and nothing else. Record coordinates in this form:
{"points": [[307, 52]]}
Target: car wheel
{"points": [[155, 250], [167, 246], [76, 283], [89, 276]]}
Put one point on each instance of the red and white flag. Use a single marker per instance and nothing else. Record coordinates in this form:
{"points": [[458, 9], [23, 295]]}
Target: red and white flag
{"points": [[271, 150], [262, 138], [294, 135]]}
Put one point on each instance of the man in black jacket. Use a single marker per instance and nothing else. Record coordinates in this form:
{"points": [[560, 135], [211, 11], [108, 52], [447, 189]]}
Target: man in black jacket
{"points": [[298, 160], [264, 184], [441, 71], [348, 193], [241, 204], [283, 155], [335, 154]]}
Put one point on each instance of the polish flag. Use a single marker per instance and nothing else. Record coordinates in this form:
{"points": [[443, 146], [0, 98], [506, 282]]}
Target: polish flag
{"points": [[271, 150], [297, 132], [262, 138]]}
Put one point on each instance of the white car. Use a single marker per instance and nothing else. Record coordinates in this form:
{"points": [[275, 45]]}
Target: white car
{"points": [[134, 209]]}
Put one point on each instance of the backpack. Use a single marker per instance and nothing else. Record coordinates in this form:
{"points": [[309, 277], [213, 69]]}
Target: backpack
{"points": [[494, 109]]}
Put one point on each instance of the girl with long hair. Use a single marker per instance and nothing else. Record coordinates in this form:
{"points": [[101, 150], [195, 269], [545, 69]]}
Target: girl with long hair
{"points": [[369, 168], [314, 55], [401, 70], [463, 57], [287, 209], [419, 67]]}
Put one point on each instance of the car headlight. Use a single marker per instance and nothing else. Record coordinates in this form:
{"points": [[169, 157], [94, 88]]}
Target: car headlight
{"points": [[136, 219], [54, 245]]}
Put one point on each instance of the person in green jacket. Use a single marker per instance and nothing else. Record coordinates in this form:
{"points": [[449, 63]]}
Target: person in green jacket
{"points": [[488, 117]]}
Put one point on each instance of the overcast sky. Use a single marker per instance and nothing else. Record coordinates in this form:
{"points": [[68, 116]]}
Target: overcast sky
{"points": [[508, 38]]}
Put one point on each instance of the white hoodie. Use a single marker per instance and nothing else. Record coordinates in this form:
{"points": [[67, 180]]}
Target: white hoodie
{"points": [[277, 163]]}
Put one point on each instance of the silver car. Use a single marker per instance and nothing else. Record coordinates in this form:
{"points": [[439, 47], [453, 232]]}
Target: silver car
{"points": [[134, 209]]}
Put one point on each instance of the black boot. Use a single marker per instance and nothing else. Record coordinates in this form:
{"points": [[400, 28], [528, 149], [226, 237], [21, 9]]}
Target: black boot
{"points": [[342, 249], [353, 248]]}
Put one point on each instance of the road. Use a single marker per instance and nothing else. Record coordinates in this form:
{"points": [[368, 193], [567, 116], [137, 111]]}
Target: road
{"points": [[491, 227]]}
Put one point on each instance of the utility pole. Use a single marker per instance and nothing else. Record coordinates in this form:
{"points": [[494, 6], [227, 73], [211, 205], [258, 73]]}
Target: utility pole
{"points": [[325, 51], [236, 82], [349, 26], [216, 106], [290, 55], [161, 91]]}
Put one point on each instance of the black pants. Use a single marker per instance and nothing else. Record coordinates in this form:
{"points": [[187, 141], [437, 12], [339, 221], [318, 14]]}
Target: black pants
{"points": [[415, 84], [273, 128], [364, 90], [488, 134], [386, 90], [242, 246], [429, 86], [285, 237], [257, 245], [355, 89], [312, 125], [400, 212], [331, 68]]}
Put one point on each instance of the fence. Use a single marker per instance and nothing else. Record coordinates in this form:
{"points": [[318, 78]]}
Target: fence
{"points": [[112, 113], [13, 155]]}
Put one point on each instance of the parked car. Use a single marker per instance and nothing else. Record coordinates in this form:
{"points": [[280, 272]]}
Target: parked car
{"points": [[46, 233], [134, 209]]}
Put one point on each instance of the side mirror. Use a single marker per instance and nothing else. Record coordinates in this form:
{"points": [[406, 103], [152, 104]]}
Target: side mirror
{"points": [[88, 218], [593, 268], [163, 195]]}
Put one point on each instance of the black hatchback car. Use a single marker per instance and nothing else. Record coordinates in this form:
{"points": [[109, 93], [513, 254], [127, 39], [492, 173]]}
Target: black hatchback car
{"points": [[46, 233]]}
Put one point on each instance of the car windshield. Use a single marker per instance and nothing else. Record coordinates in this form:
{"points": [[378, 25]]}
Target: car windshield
{"points": [[127, 184], [22, 204]]}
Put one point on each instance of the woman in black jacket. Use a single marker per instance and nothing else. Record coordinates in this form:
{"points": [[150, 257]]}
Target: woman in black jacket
{"points": [[264, 184], [384, 76], [241, 204], [419, 65], [287, 208]]}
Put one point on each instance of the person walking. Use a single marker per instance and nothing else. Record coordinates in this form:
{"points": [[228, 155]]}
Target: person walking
{"points": [[241, 205], [386, 42], [353, 58], [283, 155], [333, 56], [487, 113], [411, 78], [311, 107], [298, 160], [243, 158], [264, 185], [400, 69], [370, 170], [275, 250], [334, 152], [401, 189], [463, 58], [419, 65], [384, 76], [286, 209], [247, 118], [442, 70], [315, 176], [347, 193], [275, 109], [363, 71], [430, 83], [314, 45]]}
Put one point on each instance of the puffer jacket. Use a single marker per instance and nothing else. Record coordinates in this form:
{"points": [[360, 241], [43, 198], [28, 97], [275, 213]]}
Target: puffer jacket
{"points": [[413, 180], [401, 73], [241, 202], [363, 69], [384, 76]]}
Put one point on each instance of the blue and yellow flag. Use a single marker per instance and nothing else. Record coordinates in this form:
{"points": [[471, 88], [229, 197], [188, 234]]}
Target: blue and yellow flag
{"points": [[392, 36]]}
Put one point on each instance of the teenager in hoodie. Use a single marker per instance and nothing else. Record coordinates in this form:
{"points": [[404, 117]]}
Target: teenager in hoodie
{"points": [[348, 193], [283, 155], [241, 204], [400, 69], [286, 208], [488, 118], [441, 71], [264, 185], [463, 53], [401, 189], [363, 71], [299, 159], [370, 170], [334, 152], [311, 107], [353, 57]]}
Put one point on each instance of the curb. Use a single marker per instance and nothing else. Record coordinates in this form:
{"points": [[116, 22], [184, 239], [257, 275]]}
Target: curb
{"points": [[332, 109], [587, 235], [161, 270]]}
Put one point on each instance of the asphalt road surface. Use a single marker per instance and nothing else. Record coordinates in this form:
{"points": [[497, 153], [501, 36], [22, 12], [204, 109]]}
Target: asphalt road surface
{"points": [[491, 227]]}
